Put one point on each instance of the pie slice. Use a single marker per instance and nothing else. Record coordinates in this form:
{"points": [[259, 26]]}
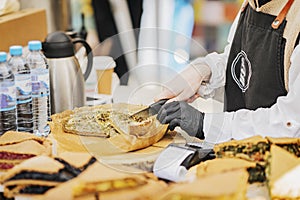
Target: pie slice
{"points": [[15, 153], [219, 165], [230, 185], [254, 149], [14, 137], [88, 122], [99, 181], [284, 174], [126, 124], [32, 174], [75, 163], [290, 144], [147, 191], [41, 173], [136, 133]]}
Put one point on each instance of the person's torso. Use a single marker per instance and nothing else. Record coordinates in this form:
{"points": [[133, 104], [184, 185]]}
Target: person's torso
{"points": [[255, 74]]}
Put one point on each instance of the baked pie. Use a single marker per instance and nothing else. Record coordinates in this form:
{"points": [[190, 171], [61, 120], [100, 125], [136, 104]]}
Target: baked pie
{"points": [[112, 122], [254, 149]]}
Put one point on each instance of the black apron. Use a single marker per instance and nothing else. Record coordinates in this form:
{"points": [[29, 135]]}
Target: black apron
{"points": [[255, 68]]}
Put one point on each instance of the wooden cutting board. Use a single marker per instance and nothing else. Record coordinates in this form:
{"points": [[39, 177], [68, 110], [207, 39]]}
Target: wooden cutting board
{"points": [[106, 153]]}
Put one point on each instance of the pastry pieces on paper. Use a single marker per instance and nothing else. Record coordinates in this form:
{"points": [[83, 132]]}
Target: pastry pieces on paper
{"points": [[256, 149], [41, 173], [104, 182], [33, 176], [15, 147]]}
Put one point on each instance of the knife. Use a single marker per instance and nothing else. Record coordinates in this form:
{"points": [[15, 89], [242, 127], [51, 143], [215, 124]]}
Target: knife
{"points": [[152, 109]]}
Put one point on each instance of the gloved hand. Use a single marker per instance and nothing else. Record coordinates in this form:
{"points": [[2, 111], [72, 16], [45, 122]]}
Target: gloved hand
{"points": [[186, 84], [180, 113]]}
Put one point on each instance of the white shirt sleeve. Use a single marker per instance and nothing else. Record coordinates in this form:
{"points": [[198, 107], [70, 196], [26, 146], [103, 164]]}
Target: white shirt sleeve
{"points": [[280, 120], [217, 63]]}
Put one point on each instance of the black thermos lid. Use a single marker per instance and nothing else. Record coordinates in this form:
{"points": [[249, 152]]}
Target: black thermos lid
{"points": [[58, 45]]}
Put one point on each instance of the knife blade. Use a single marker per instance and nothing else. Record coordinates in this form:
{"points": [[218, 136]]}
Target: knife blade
{"points": [[151, 110]]}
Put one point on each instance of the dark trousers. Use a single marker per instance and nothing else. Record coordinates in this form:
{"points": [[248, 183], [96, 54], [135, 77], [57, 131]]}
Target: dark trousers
{"points": [[106, 28]]}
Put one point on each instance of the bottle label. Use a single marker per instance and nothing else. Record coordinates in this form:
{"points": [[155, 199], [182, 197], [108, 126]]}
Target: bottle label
{"points": [[7, 96], [23, 88], [40, 82]]}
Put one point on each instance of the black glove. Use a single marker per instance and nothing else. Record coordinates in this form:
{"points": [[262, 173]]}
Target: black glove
{"points": [[180, 113], [155, 107]]}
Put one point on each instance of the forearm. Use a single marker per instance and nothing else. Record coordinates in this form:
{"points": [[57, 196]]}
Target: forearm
{"points": [[280, 120], [217, 63], [272, 122]]}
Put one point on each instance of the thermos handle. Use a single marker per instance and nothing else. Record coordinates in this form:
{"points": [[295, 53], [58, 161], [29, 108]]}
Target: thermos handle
{"points": [[89, 56]]}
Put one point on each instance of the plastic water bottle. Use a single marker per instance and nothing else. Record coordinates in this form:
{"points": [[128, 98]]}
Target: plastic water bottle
{"points": [[22, 75], [40, 88], [7, 97]]}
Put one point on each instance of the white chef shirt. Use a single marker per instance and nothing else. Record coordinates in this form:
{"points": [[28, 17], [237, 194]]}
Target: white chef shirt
{"points": [[280, 120]]}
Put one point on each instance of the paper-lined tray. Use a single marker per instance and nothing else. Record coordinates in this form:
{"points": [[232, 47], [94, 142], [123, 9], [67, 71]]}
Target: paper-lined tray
{"points": [[110, 155]]}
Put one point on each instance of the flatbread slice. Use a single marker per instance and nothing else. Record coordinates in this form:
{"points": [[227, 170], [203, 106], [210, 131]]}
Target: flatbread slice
{"points": [[75, 163], [222, 165], [27, 147], [283, 174], [78, 160], [13, 154], [109, 184], [13, 137], [255, 148], [290, 144], [230, 185], [38, 174]]}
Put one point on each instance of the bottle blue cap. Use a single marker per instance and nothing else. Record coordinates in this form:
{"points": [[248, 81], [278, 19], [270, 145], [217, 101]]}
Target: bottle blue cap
{"points": [[15, 50], [34, 45], [3, 56]]}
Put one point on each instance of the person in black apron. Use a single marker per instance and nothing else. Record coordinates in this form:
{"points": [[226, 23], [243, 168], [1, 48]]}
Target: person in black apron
{"points": [[254, 73], [255, 69]]}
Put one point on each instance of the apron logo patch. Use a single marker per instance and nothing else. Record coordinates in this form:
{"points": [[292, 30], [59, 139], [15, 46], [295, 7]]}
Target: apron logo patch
{"points": [[245, 72]]}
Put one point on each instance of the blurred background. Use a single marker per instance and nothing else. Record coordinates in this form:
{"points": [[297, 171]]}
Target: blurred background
{"points": [[212, 18], [150, 40]]}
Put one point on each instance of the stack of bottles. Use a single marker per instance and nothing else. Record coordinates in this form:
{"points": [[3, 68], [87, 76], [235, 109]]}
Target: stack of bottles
{"points": [[24, 90]]}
